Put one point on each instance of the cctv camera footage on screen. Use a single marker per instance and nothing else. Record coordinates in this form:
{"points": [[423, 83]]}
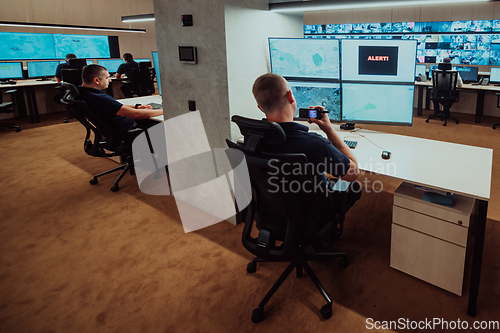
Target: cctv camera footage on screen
{"points": [[301, 59], [378, 60]]}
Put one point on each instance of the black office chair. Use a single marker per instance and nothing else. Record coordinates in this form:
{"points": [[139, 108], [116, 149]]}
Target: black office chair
{"points": [[288, 221], [9, 107], [73, 76], [498, 106], [142, 81], [104, 144], [445, 92]]}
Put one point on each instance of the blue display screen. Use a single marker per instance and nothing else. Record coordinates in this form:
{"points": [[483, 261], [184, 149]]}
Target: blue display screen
{"points": [[17, 46], [157, 69], [11, 70], [83, 46], [42, 68], [111, 64]]}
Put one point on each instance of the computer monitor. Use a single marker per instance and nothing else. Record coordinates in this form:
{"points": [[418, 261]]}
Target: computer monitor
{"points": [[367, 103], [157, 69], [304, 59], [384, 60], [420, 70], [432, 68], [495, 74], [142, 60], [326, 94], [11, 70], [77, 63], [468, 73], [111, 64], [42, 69]]}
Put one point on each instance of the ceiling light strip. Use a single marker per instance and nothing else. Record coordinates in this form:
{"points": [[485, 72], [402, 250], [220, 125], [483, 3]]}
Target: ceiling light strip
{"points": [[62, 26]]}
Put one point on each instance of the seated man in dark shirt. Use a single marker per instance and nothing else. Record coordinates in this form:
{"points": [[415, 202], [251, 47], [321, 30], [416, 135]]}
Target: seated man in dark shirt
{"points": [[119, 117], [275, 98], [126, 69], [62, 66]]}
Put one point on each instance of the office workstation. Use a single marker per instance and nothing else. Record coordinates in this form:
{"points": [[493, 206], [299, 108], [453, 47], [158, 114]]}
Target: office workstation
{"points": [[141, 257]]}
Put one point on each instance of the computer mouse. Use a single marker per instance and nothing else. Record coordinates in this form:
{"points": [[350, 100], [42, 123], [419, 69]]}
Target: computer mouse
{"points": [[386, 155]]}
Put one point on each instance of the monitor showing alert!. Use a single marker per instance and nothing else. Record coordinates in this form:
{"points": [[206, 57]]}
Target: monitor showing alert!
{"points": [[378, 60]]}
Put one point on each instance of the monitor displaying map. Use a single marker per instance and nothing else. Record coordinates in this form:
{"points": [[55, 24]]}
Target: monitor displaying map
{"points": [[18, 46], [42, 68], [305, 58], [83, 46], [377, 103], [111, 64], [317, 93]]}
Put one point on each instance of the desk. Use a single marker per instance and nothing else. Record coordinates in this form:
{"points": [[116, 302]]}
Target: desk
{"points": [[441, 165], [479, 97], [144, 100]]}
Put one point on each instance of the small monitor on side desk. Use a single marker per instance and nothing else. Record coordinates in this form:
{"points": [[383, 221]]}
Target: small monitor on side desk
{"points": [[495, 75], [111, 64], [157, 69], [468, 73], [420, 70], [77, 63], [43, 70], [10, 71]]}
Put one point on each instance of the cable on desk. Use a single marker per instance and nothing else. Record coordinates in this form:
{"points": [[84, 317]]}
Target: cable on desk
{"points": [[361, 135]]}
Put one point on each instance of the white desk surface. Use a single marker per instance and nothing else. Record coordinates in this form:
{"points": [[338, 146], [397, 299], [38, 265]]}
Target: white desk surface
{"points": [[442, 165], [143, 100]]}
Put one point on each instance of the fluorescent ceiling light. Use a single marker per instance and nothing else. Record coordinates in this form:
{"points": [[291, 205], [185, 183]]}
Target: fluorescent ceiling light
{"points": [[138, 18], [317, 5], [64, 26]]}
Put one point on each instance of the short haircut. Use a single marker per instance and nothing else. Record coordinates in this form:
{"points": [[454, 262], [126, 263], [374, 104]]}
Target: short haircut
{"points": [[128, 56], [70, 56], [91, 71], [270, 92]]}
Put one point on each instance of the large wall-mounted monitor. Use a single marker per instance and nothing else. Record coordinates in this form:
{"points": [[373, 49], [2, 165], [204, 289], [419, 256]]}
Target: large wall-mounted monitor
{"points": [[390, 104], [83, 46], [42, 69], [111, 64], [371, 60], [157, 69], [303, 58], [326, 94], [11, 70], [495, 74], [17, 46]]}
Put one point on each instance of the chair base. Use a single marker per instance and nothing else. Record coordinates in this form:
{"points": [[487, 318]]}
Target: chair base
{"points": [[299, 264], [443, 116], [69, 116], [11, 125], [125, 167]]}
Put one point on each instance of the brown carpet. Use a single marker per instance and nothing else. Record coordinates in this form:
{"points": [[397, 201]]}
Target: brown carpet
{"points": [[79, 258]]}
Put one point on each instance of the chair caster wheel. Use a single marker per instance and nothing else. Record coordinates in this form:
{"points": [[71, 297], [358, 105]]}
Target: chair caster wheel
{"points": [[93, 181], [427, 120], [343, 263], [444, 124], [65, 121], [251, 267], [494, 127], [18, 130], [326, 311], [456, 122], [258, 315], [114, 188]]}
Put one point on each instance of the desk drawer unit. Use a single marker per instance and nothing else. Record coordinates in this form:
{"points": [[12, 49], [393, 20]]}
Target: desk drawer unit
{"points": [[428, 240]]}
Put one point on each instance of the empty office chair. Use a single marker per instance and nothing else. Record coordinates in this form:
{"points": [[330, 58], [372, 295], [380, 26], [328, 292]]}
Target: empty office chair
{"points": [[444, 92], [73, 76], [498, 106], [9, 107], [142, 81], [287, 221], [104, 144]]}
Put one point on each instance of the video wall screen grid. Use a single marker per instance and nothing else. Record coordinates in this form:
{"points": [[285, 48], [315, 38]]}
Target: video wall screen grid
{"points": [[474, 42], [39, 46], [378, 70]]}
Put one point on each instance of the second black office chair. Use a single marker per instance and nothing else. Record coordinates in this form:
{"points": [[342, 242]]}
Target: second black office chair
{"points": [[289, 221], [444, 92], [9, 107], [73, 76], [104, 143], [142, 81]]}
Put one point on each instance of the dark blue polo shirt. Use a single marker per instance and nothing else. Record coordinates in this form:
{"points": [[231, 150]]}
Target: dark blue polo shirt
{"points": [[318, 150], [59, 68], [127, 68], [106, 107]]}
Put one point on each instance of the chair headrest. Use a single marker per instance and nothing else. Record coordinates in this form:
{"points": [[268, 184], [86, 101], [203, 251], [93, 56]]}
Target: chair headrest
{"points": [[256, 131], [444, 66]]}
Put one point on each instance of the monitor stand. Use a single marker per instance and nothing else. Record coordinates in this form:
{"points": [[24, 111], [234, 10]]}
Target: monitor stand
{"points": [[347, 126]]}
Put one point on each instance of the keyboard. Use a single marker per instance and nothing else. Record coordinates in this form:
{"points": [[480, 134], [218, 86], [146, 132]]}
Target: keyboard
{"points": [[351, 144], [156, 106]]}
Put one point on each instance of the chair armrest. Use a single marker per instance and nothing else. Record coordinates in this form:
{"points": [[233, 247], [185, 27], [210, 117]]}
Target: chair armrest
{"points": [[11, 91]]}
